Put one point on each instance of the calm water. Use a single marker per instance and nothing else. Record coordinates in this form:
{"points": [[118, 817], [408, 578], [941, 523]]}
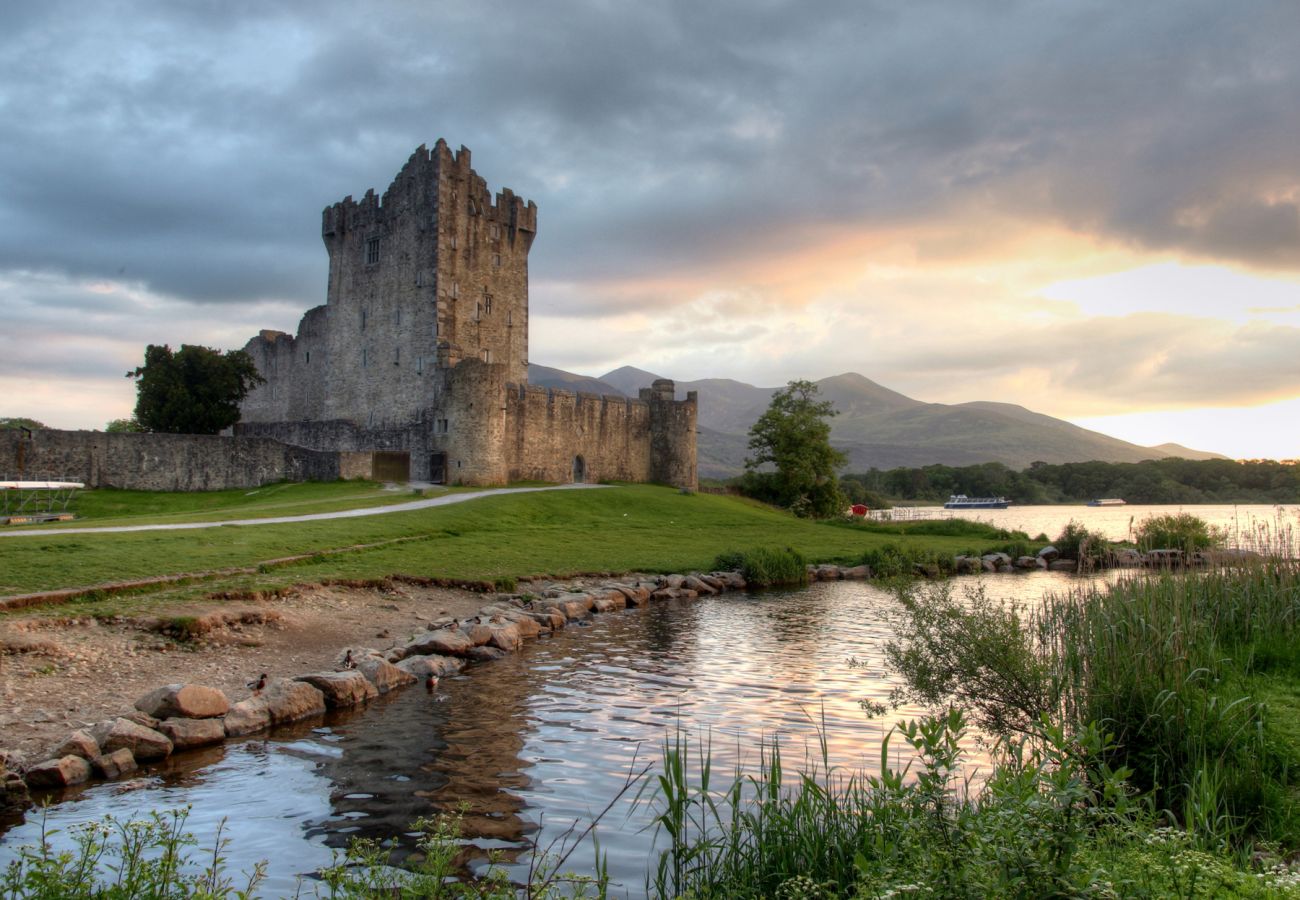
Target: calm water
{"points": [[547, 736], [1251, 527]]}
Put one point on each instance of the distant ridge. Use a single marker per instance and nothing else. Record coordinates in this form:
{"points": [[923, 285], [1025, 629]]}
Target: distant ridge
{"points": [[878, 427]]}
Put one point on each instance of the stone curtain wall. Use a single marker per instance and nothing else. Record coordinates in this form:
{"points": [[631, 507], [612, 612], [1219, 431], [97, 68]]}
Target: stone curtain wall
{"points": [[548, 428], [161, 462]]}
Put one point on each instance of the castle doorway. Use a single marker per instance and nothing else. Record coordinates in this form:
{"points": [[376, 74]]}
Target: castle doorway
{"points": [[391, 466], [579, 470], [438, 468]]}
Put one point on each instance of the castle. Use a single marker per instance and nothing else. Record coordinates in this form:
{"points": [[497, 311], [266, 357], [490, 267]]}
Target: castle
{"points": [[419, 356]]}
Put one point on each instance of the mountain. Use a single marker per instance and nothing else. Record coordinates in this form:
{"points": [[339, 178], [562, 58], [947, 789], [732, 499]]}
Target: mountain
{"points": [[880, 428], [558, 378]]}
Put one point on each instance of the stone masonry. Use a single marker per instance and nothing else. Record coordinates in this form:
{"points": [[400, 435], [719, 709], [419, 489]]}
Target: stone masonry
{"points": [[422, 347]]}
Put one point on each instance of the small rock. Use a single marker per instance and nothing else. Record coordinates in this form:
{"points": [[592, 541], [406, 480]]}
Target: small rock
{"points": [[114, 765], [144, 743], [341, 689], [485, 653], [248, 716], [186, 733], [62, 772], [79, 743], [187, 701], [424, 666], [383, 675]]}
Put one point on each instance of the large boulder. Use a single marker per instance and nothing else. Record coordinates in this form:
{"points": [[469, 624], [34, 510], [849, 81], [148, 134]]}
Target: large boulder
{"points": [[699, 585], [186, 733], [424, 666], [13, 790], [61, 772], [184, 701], [444, 642], [144, 743], [506, 636], [383, 675], [486, 653], [247, 717], [341, 689], [1049, 553], [79, 743], [289, 700], [114, 765], [608, 600]]}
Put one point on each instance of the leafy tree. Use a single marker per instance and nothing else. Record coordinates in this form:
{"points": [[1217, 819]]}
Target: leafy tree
{"points": [[793, 436], [13, 424], [121, 426], [195, 390]]}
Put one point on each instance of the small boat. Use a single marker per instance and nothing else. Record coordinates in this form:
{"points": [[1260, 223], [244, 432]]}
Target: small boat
{"points": [[1107, 501], [961, 501]]}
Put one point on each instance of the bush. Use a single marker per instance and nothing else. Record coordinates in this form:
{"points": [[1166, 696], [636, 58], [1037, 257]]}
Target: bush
{"points": [[1181, 531], [1077, 542], [765, 566], [899, 560]]}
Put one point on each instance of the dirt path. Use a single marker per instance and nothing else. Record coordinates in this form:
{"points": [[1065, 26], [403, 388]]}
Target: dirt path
{"points": [[59, 674]]}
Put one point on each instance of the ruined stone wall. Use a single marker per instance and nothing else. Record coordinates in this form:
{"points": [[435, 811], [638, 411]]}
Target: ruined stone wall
{"points": [[548, 429], [160, 462]]}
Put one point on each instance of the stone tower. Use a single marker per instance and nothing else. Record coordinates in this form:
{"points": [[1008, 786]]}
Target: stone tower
{"points": [[433, 273]]}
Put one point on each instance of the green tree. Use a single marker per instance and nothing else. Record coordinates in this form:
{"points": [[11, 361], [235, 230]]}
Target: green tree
{"points": [[195, 390], [121, 426], [13, 424], [793, 437]]}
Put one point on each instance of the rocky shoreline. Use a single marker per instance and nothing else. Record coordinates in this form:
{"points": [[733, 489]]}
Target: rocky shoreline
{"points": [[179, 717]]}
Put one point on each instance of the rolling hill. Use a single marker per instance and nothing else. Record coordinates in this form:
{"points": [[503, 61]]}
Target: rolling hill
{"points": [[880, 428]]}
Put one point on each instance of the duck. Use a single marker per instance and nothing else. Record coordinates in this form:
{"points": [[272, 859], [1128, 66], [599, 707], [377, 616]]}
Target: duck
{"points": [[348, 661], [430, 683], [258, 684]]}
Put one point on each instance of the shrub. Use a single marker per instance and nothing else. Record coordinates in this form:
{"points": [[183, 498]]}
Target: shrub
{"points": [[1077, 542], [765, 566], [1181, 531]]}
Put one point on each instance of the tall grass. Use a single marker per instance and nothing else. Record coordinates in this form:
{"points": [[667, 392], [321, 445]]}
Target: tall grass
{"points": [[1167, 663], [1052, 819], [766, 566]]}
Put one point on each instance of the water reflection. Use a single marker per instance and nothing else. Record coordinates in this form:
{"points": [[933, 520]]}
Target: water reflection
{"points": [[539, 740]]}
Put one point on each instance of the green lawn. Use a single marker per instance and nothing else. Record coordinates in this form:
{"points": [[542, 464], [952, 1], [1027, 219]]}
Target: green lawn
{"points": [[108, 506], [622, 528]]}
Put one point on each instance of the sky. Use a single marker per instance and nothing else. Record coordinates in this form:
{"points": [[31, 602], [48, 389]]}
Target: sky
{"points": [[1091, 209]]}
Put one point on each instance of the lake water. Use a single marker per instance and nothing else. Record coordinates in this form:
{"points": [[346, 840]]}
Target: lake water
{"points": [[546, 737], [1250, 527]]}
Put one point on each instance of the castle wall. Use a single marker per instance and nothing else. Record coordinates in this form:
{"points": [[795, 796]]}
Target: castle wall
{"points": [[160, 462], [547, 429]]}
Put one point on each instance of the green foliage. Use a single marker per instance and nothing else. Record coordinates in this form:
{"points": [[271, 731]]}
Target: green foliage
{"points": [[124, 426], [1076, 542], [1052, 819], [1152, 481], [195, 390], [793, 436], [893, 560], [114, 859], [16, 423], [765, 566], [1180, 531], [1173, 665]]}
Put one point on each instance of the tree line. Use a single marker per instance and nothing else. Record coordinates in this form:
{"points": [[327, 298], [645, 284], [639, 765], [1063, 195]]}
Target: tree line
{"points": [[1151, 481]]}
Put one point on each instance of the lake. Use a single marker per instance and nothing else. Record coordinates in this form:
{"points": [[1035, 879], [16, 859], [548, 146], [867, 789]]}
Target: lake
{"points": [[546, 737]]}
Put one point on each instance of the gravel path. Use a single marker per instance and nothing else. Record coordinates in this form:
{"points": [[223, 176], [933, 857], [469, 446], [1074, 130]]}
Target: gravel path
{"points": [[444, 500]]}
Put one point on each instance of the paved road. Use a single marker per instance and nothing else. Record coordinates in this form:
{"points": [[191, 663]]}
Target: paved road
{"points": [[443, 500]]}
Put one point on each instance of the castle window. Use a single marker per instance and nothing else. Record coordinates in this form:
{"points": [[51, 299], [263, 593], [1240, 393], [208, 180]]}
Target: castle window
{"points": [[478, 311], [308, 359], [398, 317], [496, 230], [455, 289], [397, 356], [452, 242], [486, 355], [419, 364], [363, 320], [372, 251], [487, 304], [365, 358], [435, 327], [496, 260], [510, 317], [440, 426]]}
